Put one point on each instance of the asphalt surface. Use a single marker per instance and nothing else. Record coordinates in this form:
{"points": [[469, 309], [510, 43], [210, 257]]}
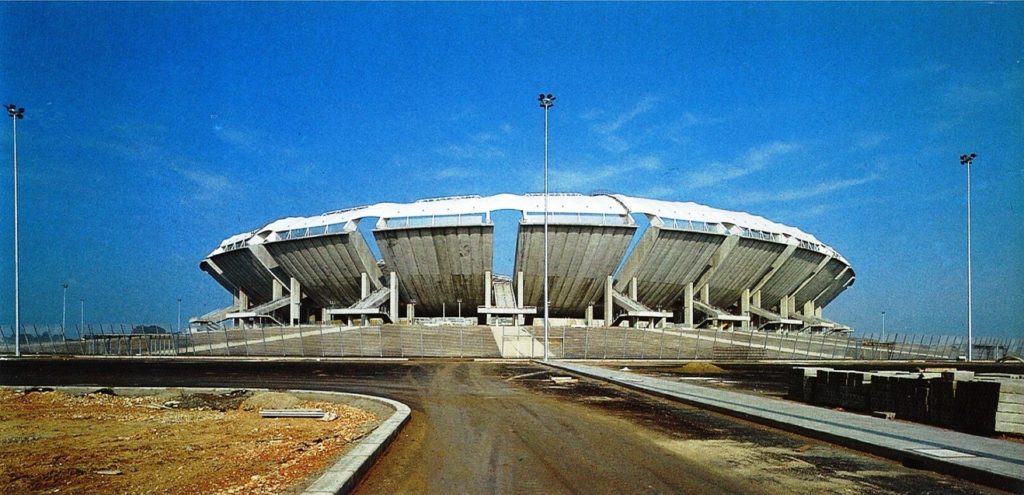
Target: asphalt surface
{"points": [[506, 428]]}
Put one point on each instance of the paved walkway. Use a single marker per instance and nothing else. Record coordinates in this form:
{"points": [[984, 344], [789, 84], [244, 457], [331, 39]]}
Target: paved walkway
{"points": [[997, 463]]}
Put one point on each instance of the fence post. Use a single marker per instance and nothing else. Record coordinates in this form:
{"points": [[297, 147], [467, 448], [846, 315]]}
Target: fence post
{"points": [[245, 340], [49, 336]]}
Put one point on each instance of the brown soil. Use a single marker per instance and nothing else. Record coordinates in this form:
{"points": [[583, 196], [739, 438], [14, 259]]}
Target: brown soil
{"points": [[697, 368], [99, 443]]}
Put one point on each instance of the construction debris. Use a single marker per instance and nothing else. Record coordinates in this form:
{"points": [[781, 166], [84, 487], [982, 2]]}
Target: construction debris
{"points": [[293, 413], [563, 380]]}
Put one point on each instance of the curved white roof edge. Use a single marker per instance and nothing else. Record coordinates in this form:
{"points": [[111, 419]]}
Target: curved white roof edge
{"points": [[607, 204]]}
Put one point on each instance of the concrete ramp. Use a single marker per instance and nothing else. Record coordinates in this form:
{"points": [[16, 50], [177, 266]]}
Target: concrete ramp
{"points": [[271, 306], [634, 309], [718, 315], [215, 316], [368, 306], [514, 342], [774, 318]]}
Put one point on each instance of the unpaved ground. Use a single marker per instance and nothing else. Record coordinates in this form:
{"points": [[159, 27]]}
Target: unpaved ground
{"points": [[97, 443], [475, 428]]}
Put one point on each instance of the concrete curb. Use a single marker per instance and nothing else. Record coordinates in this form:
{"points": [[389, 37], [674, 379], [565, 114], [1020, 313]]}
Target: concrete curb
{"points": [[346, 473], [974, 468]]}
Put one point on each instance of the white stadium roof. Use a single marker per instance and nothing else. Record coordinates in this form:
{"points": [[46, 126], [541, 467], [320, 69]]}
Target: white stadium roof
{"points": [[529, 205]]}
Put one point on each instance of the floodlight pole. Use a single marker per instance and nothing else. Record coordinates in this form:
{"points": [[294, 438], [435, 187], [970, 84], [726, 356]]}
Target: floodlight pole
{"points": [[179, 315], [967, 160], [546, 102], [16, 114], [81, 307], [883, 326]]}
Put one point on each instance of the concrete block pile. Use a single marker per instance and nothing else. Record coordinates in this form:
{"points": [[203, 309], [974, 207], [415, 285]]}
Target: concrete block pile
{"points": [[962, 400]]}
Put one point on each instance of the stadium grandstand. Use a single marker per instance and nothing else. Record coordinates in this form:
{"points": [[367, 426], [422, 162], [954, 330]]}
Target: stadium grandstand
{"points": [[614, 260]]}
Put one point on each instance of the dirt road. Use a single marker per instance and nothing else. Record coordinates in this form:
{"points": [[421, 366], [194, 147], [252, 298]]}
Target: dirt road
{"points": [[506, 428]]}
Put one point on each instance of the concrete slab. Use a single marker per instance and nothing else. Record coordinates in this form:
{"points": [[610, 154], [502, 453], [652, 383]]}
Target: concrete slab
{"points": [[989, 461], [515, 342]]}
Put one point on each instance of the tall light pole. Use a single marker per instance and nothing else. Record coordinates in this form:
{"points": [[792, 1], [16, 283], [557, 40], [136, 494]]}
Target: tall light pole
{"points": [[883, 326], [460, 307], [179, 315], [81, 306], [16, 113], [546, 102], [64, 310], [966, 160]]}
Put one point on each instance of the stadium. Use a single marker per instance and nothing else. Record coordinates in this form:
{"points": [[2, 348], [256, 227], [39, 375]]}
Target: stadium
{"points": [[614, 260]]}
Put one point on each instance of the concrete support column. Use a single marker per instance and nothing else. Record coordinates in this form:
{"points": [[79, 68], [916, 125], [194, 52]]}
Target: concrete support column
{"points": [[688, 305], [241, 300], [324, 316], [394, 297], [817, 312], [662, 321], [809, 308], [745, 307], [520, 319], [632, 288], [590, 314], [364, 285], [705, 294], [792, 304], [609, 305], [294, 314], [784, 307], [755, 299], [278, 289], [487, 295], [410, 312]]}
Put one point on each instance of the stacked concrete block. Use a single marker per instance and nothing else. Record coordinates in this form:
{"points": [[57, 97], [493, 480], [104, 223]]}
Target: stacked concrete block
{"points": [[882, 395], [1007, 412], [911, 394], [842, 388], [802, 381], [984, 403]]}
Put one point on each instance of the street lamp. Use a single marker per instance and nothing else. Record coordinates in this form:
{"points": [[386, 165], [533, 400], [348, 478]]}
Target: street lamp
{"points": [[16, 113], [966, 160], [883, 326], [459, 300], [64, 311], [546, 102]]}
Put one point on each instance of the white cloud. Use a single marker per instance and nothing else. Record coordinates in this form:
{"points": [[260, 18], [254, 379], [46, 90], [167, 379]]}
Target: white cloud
{"points": [[816, 190], [753, 160], [646, 104], [585, 178], [206, 184], [470, 151], [456, 173]]}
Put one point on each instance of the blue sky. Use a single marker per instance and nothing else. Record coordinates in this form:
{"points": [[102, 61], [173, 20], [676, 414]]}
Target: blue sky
{"points": [[155, 130]]}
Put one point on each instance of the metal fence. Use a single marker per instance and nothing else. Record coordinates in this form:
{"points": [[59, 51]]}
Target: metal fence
{"points": [[495, 342]]}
